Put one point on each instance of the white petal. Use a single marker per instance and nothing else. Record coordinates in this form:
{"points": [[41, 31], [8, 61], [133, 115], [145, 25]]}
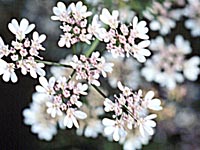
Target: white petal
{"points": [[108, 122], [29, 29], [68, 122], [80, 114], [23, 24], [152, 116], [14, 77], [116, 134], [149, 95]]}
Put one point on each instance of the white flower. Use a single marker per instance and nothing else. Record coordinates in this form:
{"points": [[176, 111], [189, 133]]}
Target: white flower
{"points": [[95, 28], [140, 29], [193, 25], [8, 71], [20, 30], [111, 20], [60, 11], [71, 116], [126, 91], [4, 51], [35, 68], [81, 89], [54, 109], [79, 11], [109, 105], [114, 128], [182, 45], [85, 38], [47, 87], [65, 40], [146, 125], [139, 52], [36, 116], [37, 40], [135, 141], [151, 103], [191, 69]]}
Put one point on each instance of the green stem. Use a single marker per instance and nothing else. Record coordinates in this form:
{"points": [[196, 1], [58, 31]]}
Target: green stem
{"points": [[71, 75], [92, 48], [74, 49], [98, 90], [53, 63]]}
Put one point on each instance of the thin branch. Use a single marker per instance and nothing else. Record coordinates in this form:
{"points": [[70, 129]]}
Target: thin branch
{"points": [[92, 48], [53, 63], [98, 90]]}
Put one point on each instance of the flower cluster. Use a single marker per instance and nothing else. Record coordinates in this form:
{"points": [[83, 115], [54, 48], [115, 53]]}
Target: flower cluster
{"points": [[121, 38], [90, 68], [167, 65], [64, 99], [161, 19], [74, 23], [36, 116], [22, 53], [130, 111]]}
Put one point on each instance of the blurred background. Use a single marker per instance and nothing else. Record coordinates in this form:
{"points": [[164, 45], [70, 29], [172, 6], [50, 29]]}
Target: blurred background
{"points": [[178, 124]]}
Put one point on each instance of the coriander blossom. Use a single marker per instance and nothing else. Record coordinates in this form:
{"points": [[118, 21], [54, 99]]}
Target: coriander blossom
{"points": [[169, 61], [36, 116], [160, 17], [23, 52], [130, 111], [74, 23], [64, 99], [111, 20], [90, 68], [20, 29], [121, 40]]}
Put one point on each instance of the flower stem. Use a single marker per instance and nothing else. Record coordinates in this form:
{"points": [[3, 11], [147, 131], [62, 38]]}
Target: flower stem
{"points": [[71, 75], [92, 48], [98, 90], [74, 49], [53, 63]]}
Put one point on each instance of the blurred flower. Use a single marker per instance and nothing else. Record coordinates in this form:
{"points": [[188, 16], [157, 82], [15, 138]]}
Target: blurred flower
{"points": [[192, 12], [166, 65], [130, 75], [160, 17], [36, 116]]}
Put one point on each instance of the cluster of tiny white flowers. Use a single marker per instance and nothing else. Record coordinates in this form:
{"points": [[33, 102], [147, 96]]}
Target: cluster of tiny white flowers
{"points": [[74, 23], [130, 111], [22, 53], [161, 19], [121, 38], [41, 122], [90, 68], [59, 100], [65, 99], [169, 65]]}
